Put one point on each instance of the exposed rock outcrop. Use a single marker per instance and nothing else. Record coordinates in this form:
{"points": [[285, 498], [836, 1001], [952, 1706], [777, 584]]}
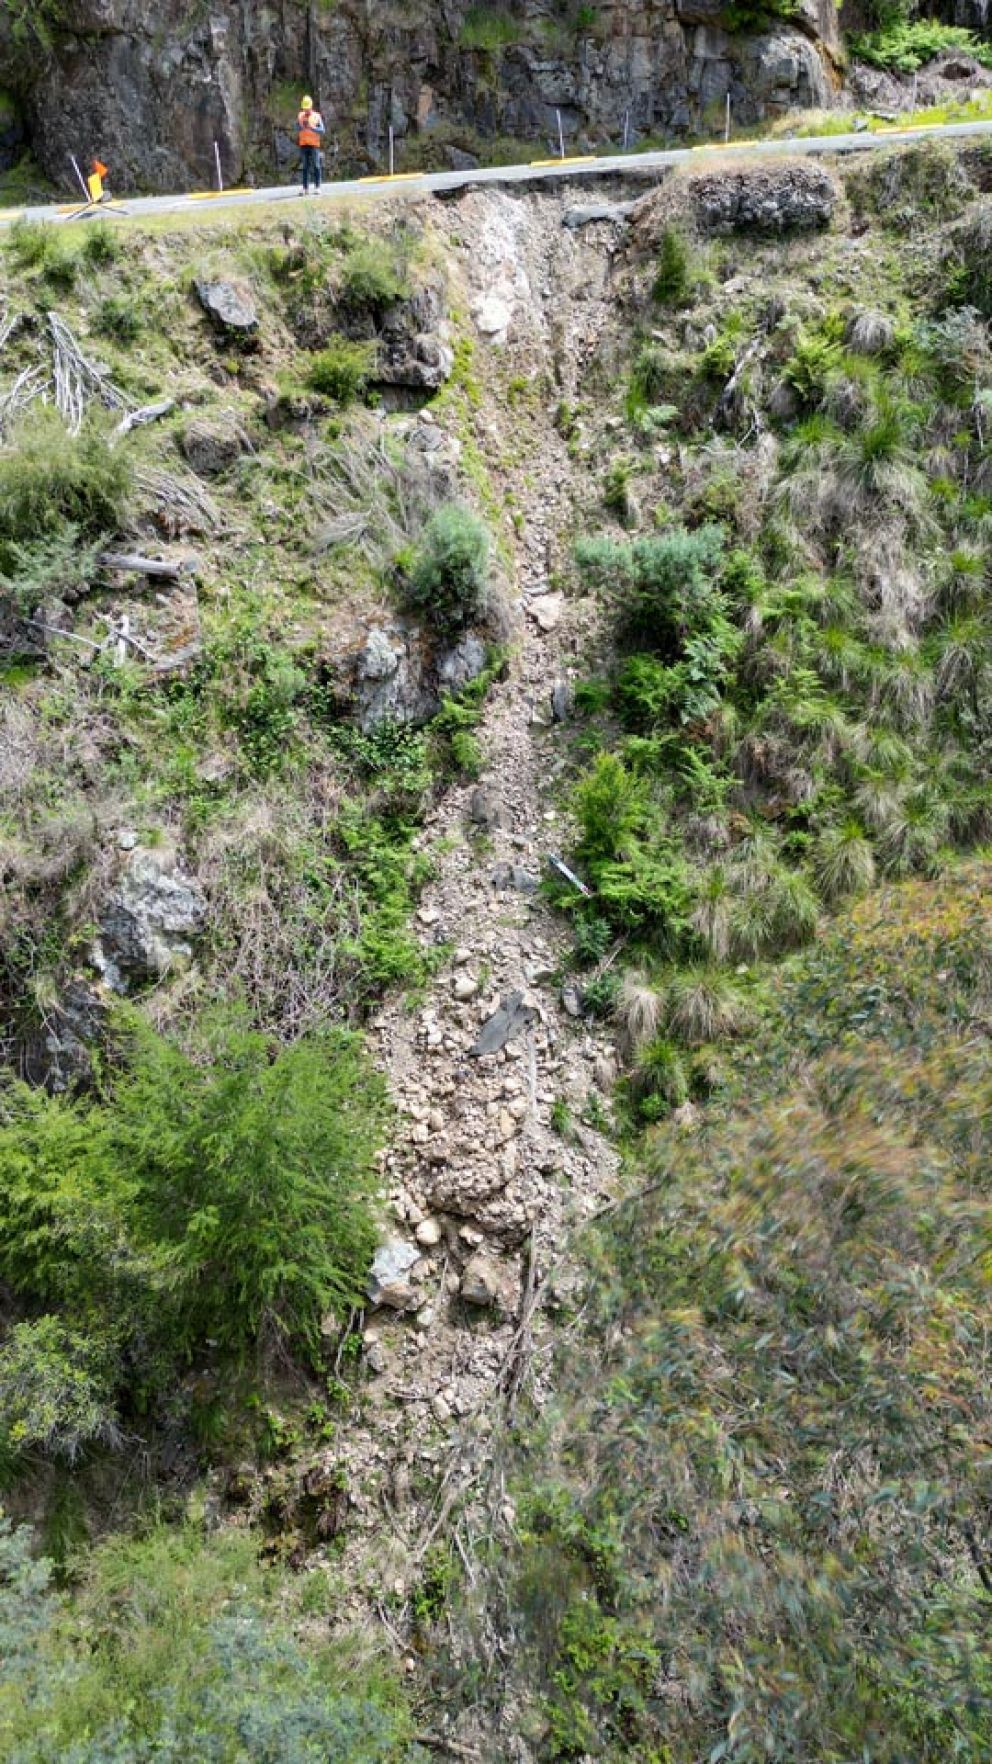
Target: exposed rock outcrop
{"points": [[150, 922], [790, 196], [60, 1054]]}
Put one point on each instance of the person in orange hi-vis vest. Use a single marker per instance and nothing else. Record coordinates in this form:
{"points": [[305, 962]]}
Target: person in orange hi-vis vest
{"points": [[310, 133]]}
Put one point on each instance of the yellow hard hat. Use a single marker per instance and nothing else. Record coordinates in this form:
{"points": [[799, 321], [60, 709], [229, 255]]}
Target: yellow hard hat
{"points": [[308, 104]]}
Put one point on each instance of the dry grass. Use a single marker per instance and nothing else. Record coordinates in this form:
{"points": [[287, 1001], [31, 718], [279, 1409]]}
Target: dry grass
{"points": [[639, 1012]]}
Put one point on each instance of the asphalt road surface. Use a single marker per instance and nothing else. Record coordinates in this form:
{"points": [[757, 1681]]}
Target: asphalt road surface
{"points": [[630, 165]]}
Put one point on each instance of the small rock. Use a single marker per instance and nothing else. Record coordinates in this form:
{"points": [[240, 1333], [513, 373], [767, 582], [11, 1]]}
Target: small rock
{"points": [[562, 701], [482, 1281], [485, 808], [571, 1000], [428, 1233], [461, 956], [389, 1277], [440, 1409], [127, 839], [465, 986], [547, 610]]}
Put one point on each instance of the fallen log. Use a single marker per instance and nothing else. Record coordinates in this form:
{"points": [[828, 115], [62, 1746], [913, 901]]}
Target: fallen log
{"points": [[168, 569], [149, 413]]}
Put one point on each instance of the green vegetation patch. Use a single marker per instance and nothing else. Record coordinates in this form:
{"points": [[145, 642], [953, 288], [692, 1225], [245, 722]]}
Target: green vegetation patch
{"points": [[177, 1645], [758, 1526], [195, 1206]]}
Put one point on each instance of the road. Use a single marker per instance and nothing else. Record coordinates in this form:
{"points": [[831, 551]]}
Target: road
{"points": [[538, 171]]}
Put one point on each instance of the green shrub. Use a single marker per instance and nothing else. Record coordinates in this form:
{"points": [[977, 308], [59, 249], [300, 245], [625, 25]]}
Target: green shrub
{"points": [[612, 808], [254, 1177], [485, 29], [122, 317], [813, 360], [47, 248], [673, 283], [57, 1390], [222, 1199], [651, 377], [342, 369], [843, 861], [660, 1077], [664, 589], [373, 276], [449, 577], [102, 245], [49, 478], [29, 243], [64, 565], [903, 45], [704, 1004]]}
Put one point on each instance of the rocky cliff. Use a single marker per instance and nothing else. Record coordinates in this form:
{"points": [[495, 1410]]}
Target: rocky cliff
{"points": [[152, 87]]}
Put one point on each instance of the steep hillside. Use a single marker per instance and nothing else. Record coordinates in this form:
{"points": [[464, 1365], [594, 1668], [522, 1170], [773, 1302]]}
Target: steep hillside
{"points": [[459, 660]]}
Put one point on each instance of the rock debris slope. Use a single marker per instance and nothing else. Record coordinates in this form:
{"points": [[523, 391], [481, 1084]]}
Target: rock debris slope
{"points": [[482, 1187]]}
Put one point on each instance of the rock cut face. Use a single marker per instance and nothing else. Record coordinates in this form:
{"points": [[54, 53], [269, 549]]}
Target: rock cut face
{"points": [[153, 87]]}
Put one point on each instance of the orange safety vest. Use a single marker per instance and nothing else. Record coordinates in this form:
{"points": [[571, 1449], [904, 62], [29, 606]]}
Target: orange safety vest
{"points": [[311, 126]]}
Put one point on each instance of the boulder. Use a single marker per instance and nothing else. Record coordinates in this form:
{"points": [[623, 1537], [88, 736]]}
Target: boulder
{"points": [[486, 1283], [458, 667], [391, 680], [510, 1020], [150, 923], [486, 809], [414, 347], [213, 444], [60, 1055], [230, 305], [389, 1276]]}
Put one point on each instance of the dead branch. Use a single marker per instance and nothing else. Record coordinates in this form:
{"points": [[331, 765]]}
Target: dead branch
{"points": [[9, 323], [122, 634], [54, 631], [78, 380], [438, 1743], [180, 505], [30, 384]]}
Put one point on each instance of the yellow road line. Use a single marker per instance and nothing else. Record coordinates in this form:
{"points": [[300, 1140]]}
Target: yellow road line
{"points": [[213, 195], [570, 159]]}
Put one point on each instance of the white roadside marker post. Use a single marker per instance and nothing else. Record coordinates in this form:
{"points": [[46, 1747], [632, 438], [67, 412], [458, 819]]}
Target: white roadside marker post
{"points": [[726, 132], [561, 136], [392, 152], [220, 179], [82, 180]]}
